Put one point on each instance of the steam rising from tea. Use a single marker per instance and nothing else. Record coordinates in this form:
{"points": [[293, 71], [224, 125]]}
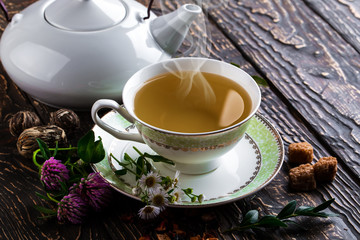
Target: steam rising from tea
{"points": [[191, 102]]}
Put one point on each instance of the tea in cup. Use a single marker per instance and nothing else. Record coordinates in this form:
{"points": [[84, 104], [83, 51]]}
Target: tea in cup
{"points": [[189, 110]]}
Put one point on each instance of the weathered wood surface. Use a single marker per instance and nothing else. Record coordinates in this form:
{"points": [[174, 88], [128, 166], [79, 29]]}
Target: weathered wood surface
{"points": [[313, 66], [19, 178], [342, 15]]}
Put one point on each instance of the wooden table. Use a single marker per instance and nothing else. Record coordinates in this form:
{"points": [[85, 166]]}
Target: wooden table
{"points": [[309, 53]]}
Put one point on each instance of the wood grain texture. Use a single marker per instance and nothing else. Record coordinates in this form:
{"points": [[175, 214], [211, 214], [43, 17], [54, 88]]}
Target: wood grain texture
{"points": [[312, 66], [19, 178], [342, 15]]}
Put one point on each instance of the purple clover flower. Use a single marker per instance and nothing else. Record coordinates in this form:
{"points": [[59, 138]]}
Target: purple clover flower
{"points": [[72, 208], [53, 172], [94, 190]]}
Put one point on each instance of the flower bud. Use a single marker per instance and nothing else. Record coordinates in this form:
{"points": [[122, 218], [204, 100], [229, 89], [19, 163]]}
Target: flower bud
{"points": [[201, 198], [53, 173]]}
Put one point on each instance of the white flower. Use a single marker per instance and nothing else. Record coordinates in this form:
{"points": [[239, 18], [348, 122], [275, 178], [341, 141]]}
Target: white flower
{"points": [[151, 181], [177, 195], [159, 198], [149, 212]]}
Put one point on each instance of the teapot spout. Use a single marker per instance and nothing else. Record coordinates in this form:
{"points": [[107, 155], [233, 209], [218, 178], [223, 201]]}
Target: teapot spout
{"points": [[170, 30]]}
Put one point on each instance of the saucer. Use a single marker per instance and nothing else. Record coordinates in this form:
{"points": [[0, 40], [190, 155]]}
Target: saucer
{"points": [[245, 169]]}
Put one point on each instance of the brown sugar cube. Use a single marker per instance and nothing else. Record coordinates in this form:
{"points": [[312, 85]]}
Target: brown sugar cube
{"points": [[300, 153], [325, 169], [302, 178]]}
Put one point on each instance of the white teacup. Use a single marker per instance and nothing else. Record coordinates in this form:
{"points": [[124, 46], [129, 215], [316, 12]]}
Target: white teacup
{"points": [[192, 153]]}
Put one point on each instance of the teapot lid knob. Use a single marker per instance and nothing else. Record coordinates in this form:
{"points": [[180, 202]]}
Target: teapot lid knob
{"points": [[85, 15]]}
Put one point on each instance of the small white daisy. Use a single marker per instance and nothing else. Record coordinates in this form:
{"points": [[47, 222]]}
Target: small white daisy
{"points": [[159, 198], [149, 212], [151, 181], [177, 195]]}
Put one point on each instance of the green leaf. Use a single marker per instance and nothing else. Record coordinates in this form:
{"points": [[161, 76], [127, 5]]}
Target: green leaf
{"points": [[127, 158], [89, 150], [304, 209], [251, 221], [45, 152], [42, 196], [324, 205], [250, 217], [260, 81], [235, 64], [288, 210], [148, 166], [158, 158], [85, 146], [140, 167], [120, 172], [271, 221], [98, 153], [45, 210], [314, 214]]}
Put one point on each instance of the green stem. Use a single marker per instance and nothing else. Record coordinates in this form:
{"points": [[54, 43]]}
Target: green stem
{"points": [[124, 166], [132, 160], [52, 149], [144, 158], [51, 198], [34, 159], [67, 161], [63, 149], [138, 151]]}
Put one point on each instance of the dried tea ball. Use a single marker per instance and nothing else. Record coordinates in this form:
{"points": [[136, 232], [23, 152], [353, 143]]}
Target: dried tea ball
{"points": [[27, 143], [66, 119], [21, 121]]}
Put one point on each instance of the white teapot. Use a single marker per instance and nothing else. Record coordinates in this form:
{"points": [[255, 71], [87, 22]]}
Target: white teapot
{"points": [[69, 53]]}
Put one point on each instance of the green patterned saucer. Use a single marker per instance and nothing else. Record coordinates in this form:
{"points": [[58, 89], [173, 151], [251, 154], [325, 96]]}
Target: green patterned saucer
{"points": [[245, 169]]}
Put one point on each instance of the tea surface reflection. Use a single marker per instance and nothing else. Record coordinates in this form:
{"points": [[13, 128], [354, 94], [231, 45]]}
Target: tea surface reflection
{"points": [[192, 102]]}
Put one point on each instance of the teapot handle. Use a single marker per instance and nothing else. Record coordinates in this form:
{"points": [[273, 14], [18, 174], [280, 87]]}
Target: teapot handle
{"points": [[108, 103]]}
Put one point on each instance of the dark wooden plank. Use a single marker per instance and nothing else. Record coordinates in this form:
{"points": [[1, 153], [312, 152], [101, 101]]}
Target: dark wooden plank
{"points": [[307, 61], [344, 16], [277, 193], [120, 222]]}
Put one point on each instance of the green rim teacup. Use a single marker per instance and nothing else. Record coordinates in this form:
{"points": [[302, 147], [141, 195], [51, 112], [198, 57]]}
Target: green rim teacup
{"points": [[192, 153]]}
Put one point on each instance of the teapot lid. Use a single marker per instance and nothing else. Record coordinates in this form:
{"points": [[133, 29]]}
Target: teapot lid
{"points": [[85, 15]]}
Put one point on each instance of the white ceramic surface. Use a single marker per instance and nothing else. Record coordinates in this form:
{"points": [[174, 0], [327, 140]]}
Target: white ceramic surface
{"points": [[69, 53], [193, 153], [249, 167]]}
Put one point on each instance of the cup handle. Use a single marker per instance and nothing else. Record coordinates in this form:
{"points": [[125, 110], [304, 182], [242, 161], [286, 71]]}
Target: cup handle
{"points": [[108, 103]]}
